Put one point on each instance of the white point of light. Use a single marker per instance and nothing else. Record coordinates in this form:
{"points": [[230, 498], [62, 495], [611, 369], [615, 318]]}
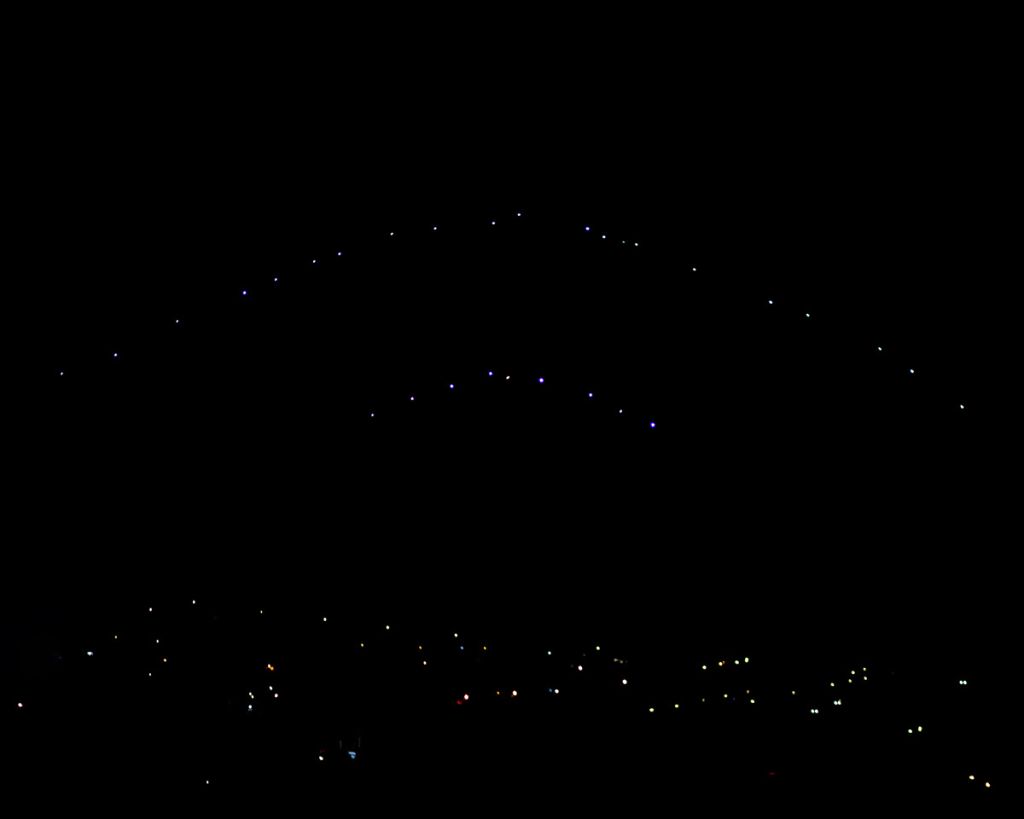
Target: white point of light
{"points": [[115, 355], [490, 373], [493, 222], [770, 301], [650, 710], [540, 380], [590, 395], [587, 228], [245, 292], [412, 397], [911, 370], [435, 227], [451, 386], [625, 682], [579, 668], [604, 236], [652, 424]]}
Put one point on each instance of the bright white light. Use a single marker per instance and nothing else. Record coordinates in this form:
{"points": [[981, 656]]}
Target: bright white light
{"points": [[911, 370], [587, 228], [590, 395], [540, 380], [625, 682], [579, 668], [652, 424]]}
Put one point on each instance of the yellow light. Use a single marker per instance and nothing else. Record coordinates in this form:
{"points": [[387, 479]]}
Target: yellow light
{"points": [[971, 777], [270, 667]]}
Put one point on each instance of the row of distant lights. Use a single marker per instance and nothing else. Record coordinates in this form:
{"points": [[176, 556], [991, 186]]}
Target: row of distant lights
{"points": [[586, 229], [910, 370], [434, 228], [540, 380]]}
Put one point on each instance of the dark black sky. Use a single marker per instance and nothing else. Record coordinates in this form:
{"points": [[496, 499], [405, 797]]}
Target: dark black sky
{"points": [[154, 178]]}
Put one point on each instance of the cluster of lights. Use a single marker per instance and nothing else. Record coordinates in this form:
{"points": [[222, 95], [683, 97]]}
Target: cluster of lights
{"points": [[651, 707]]}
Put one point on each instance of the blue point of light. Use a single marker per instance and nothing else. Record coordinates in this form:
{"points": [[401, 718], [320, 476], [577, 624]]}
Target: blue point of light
{"points": [[587, 228], [652, 424], [245, 292], [540, 380], [451, 386], [490, 372], [590, 395]]}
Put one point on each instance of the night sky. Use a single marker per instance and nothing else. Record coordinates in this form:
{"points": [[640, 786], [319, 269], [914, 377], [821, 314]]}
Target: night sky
{"points": [[592, 440]]}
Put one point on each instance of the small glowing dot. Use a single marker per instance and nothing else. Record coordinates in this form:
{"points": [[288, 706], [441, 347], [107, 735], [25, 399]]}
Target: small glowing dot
{"points": [[276, 279], [676, 705], [387, 628], [694, 269], [879, 349], [325, 619], [412, 397], [650, 710], [88, 654], [540, 380], [971, 777], [579, 668], [314, 261], [587, 228], [392, 233], [320, 757], [807, 315], [590, 395], [339, 252], [961, 406], [703, 668], [604, 236], [770, 301], [518, 214], [493, 222], [21, 705], [625, 682], [652, 424], [245, 292], [490, 373], [988, 784], [435, 227], [911, 370], [515, 693], [920, 728], [746, 659], [451, 386], [556, 690], [115, 355]]}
